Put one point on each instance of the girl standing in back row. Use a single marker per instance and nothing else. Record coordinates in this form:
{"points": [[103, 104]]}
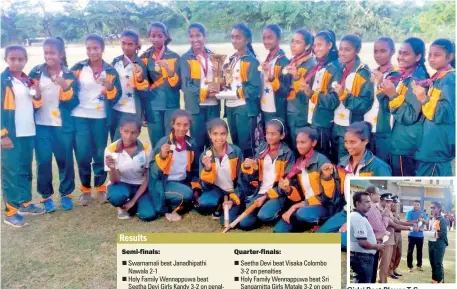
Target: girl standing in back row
{"points": [[323, 100], [131, 73], [273, 99], [163, 75], [19, 94], [100, 89], [437, 146], [299, 68], [379, 115], [405, 108], [54, 124], [196, 70], [243, 79], [355, 92]]}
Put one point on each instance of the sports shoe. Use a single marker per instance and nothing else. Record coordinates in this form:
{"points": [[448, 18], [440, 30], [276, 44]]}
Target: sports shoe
{"points": [[49, 205], [420, 269], [102, 197], [67, 203], [123, 214], [217, 215], [84, 199], [31, 210], [16, 221]]}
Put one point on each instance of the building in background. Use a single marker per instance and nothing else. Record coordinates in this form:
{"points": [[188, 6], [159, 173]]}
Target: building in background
{"points": [[424, 190], [360, 185]]}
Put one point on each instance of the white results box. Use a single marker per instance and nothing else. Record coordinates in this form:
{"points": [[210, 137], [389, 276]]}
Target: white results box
{"points": [[228, 261]]}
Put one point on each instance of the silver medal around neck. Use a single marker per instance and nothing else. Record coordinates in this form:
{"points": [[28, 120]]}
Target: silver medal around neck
{"points": [[260, 68], [172, 147], [209, 153], [285, 71], [334, 84]]}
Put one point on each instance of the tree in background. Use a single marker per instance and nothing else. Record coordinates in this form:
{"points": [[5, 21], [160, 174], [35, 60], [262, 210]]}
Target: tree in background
{"points": [[369, 19]]}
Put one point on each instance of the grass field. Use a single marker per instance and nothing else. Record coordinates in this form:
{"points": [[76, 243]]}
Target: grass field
{"points": [[77, 249]]}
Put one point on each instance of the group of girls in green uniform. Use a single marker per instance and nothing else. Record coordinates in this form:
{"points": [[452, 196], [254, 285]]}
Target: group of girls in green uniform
{"points": [[297, 126]]}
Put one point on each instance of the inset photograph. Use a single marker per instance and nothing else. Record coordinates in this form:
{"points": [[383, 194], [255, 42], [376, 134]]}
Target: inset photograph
{"points": [[402, 231]]}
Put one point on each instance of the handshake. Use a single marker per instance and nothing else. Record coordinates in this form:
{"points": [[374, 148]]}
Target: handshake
{"points": [[416, 229]]}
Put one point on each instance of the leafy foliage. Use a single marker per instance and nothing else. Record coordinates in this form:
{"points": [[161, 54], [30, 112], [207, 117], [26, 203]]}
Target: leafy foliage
{"points": [[368, 19]]}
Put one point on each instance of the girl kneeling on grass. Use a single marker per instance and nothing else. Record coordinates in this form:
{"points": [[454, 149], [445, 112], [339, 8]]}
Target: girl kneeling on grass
{"points": [[219, 169], [260, 177], [361, 161], [174, 171], [127, 161], [313, 196]]}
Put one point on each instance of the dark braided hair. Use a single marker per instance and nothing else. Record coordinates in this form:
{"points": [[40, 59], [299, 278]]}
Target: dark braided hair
{"points": [[59, 44], [247, 34]]}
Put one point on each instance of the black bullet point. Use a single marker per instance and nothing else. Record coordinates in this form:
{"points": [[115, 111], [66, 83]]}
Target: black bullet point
{"points": [[124, 278], [237, 262], [237, 279], [124, 262]]}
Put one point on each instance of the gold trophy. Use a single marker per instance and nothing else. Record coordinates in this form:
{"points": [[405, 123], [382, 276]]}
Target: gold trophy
{"points": [[216, 83]]}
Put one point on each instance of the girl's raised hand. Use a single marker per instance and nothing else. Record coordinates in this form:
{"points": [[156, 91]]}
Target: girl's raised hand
{"points": [[306, 88], [110, 162], [284, 185], [206, 160], [378, 76], [327, 170], [106, 83], [248, 163], [138, 72], [59, 80], [419, 91], [164, 63], [388, 88], [164, 150], [338, 88], [293, 71]]}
